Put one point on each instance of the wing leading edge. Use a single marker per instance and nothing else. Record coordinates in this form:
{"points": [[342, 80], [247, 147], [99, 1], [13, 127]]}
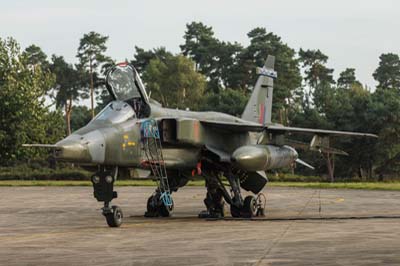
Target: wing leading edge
{"points": [[279, 129]]}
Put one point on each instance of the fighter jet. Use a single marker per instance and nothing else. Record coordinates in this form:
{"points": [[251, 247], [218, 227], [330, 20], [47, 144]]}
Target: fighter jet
{"points": [[135, 132]]}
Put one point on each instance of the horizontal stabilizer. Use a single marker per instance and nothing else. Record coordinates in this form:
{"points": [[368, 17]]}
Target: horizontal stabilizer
{"points": [[322, 144], [330, 150], [313, 147]]}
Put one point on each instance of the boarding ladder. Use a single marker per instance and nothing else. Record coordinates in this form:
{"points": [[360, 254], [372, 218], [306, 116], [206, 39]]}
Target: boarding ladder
{"points": [[151, 146]]}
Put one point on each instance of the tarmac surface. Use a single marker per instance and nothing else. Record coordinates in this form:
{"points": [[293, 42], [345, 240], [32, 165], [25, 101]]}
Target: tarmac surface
{"points": [[63, 226]]}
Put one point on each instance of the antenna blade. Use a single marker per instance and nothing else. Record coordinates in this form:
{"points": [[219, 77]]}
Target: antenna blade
{"points": [[304, 163]]}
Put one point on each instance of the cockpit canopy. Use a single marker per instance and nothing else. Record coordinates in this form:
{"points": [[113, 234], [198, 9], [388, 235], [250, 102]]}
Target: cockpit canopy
{"points": [[125, 86], [124, 83]]}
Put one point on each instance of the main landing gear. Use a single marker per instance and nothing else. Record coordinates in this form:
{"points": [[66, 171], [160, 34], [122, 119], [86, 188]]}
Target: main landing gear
{"points": [[156, 206], [250, 206], [214, 200], [103, 191]]}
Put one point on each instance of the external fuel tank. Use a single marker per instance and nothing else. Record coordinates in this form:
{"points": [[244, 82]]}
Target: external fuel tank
{"points": [[263, 157]]}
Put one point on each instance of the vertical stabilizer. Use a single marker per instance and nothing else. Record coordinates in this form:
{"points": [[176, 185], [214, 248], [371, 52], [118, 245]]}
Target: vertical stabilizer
{"points": [[259, 107]]}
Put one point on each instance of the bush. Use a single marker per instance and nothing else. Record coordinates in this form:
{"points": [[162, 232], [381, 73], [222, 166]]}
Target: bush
{"points": [[25, 172], [286, 177]]}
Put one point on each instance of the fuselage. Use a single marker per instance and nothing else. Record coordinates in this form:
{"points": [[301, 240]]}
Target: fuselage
{"points": [[113, 137]]}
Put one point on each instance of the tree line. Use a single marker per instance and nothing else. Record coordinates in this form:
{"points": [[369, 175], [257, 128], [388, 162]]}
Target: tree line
{"points": [[208, 74]]}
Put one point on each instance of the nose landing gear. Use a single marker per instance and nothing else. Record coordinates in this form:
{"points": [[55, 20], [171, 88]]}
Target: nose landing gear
{"points": [[113, 215], [103, 191]]}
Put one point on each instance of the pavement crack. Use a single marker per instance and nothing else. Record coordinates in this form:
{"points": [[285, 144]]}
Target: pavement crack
{"points": [[283, 234]]}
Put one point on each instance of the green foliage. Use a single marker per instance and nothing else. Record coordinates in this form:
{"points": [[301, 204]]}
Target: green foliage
{"points": [[262, 44], [67, 85], [80, 116], [174, 82], [348, 79], [142, 57], [92, 47], [227, 101], [285, 177], [319, 79], [314, 63], [35, 56], [388, 72], [200, 45], [24, 118], [384, 118], [221, 62], [229, 65]]}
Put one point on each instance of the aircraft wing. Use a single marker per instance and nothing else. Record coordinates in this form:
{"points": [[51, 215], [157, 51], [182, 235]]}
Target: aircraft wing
{"points": [[279, 129], [233, 127], [283, 129]]}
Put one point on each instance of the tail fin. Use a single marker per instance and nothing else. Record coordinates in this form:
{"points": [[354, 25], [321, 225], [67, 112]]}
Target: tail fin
{"points": [[259, 107]]}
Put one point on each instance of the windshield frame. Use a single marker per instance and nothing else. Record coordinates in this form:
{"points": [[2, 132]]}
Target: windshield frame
{"points": [[115, 115]]}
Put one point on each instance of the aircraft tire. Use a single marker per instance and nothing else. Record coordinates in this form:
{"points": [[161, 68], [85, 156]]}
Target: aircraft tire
{"points": [[151, 208], [249, 207], [165, 211], [235, 211], [114, 218]]}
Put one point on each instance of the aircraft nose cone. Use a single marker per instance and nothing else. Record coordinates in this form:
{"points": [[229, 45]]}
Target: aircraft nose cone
{"points": [[86, 148], [71, 149]]}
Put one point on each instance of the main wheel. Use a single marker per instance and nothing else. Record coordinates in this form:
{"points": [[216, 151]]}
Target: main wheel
{"points": [[235, 211], [166, 211], [151, 204], [114, 218], [249, 207], [220, 210]]}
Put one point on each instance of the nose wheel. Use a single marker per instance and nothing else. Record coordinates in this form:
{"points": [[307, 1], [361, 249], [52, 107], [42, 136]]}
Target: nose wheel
{"points": [[113, 216]]}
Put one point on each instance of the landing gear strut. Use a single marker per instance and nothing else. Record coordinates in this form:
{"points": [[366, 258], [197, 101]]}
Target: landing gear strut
{"points": [[214, 200], [103, 191], [248, 207]]}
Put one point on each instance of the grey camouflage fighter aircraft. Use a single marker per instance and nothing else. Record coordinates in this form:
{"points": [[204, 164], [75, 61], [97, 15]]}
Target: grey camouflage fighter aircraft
{"points": [[134, 131]]}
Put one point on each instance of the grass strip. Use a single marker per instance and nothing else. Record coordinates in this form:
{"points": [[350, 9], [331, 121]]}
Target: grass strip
{"points": [[395, 186], [72, 183], [351, 185]]}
